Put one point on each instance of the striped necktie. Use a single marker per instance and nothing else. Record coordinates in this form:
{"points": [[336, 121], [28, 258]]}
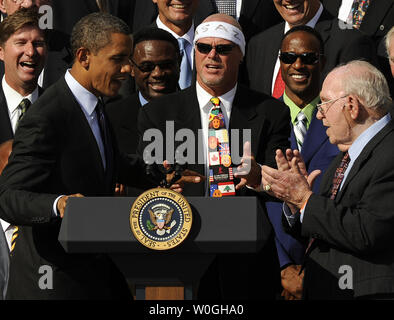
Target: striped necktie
{"points": [[13, 238], [300, 129], [23, 106]]}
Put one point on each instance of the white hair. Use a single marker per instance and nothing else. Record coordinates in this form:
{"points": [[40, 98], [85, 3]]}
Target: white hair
{"points": [[389, 37]]}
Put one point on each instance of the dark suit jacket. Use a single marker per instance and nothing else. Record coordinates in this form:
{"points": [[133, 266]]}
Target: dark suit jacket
{"points": [[6, 132], [339, 45], [55, 153], [378, 20], [242, 276], [256, 15], [318, 153], [354, 230]]}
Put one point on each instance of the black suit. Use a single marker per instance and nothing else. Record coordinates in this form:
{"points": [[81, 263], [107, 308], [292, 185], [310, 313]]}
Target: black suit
{"points": [[55, 153], [355, 229], [269, 121], [339, 46], [6, 132], [378, 20]]}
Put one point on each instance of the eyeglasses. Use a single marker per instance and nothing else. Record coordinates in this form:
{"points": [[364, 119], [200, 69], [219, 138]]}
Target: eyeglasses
{"points": [[306, 58], [150, 66], [222, 49], [320, 108]]}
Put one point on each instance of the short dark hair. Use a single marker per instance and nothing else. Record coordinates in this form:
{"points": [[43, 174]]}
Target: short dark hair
{"points": [[307, 29], [151, 33], [16, 21], [94, 31]]}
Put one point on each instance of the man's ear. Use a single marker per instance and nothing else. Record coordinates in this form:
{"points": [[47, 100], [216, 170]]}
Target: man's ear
{"points": [[1, 53], [2, 6], [83, 57], [354, 106]]}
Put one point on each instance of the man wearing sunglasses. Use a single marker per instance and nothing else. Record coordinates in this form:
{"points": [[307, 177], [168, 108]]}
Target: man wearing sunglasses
{"points": [[155, 65], [340, 45], [301, 61], [219, 50]]}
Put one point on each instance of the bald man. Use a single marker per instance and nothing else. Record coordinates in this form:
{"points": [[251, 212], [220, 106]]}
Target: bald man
{"points": [[217, 59]]}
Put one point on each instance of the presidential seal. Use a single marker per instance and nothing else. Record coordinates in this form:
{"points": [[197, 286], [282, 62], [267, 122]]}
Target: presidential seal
{"points": [[160, 219]]}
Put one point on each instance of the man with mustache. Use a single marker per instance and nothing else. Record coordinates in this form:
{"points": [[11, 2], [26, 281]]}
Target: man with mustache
{"points": [[23, 50], [64, 148]]}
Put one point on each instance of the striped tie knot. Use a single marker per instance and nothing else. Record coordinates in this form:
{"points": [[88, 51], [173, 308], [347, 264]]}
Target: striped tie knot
{"points": [[300, 129], [13, 238]]}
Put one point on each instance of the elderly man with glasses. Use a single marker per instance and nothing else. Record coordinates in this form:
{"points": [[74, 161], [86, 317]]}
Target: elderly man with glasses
{"points": [[350, 222], [214, 106]]}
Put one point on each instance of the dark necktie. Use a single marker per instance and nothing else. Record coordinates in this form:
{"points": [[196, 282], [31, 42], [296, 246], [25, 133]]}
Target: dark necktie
{"points": [[23, 106], [106, 138], [338, 178], [221, 179]]}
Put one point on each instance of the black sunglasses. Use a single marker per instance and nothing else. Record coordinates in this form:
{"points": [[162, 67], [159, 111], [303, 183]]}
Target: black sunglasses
{"points": [[150, 66], [306, 58], [222, 49]]}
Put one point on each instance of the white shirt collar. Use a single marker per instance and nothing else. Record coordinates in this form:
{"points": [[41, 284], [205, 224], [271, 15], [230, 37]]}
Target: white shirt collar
{"points": [[189, 36], [13, 98], [311, 23], [85, 98], [226, 99]]}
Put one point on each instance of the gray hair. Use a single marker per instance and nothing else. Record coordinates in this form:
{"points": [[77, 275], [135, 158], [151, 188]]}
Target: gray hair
{"points": [[389, 37], [366, 82], [93, 31]]}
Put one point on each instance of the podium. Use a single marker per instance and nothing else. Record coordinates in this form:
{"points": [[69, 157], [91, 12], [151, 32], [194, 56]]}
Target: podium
{"points": [[101, 225]]}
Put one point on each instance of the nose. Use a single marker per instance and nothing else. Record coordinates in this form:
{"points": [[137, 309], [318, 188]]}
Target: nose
{"points": [[212, 54], [157, 72], [30, 50], [319, 114], [126, 68], [298, 63]]}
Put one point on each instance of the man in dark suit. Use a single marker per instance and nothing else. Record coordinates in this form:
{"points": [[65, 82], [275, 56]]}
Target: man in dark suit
{"points": [[302, 60], [18, 89], [377, 21], [218, 56], [63, 148], [351, 219], [155, 68], [340, 46]]}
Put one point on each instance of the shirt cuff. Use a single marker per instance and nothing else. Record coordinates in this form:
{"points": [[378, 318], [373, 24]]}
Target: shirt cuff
{"points": [[55, 213]]}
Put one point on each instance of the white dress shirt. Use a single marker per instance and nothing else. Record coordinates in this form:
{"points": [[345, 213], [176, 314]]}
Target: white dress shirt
{"points": [[344, 10], [311, 24], [226, 102]]}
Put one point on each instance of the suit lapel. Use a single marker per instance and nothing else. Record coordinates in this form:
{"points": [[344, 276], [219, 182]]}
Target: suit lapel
{"points": [[314, 138], [376, 12], [86, 132], [364, 155], [242, 115]]}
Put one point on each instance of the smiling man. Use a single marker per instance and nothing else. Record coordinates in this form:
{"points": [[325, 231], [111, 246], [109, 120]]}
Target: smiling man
{"points": [[63, 147], [340, 46], [176, 17], [155, 69], [301, 61], [23, 50], [219, 50]]}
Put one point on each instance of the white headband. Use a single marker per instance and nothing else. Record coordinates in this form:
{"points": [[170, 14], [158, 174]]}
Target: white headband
{"points": [[218, 29]]}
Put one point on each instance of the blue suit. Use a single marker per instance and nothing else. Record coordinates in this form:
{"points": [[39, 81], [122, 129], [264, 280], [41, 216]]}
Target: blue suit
{"points": [[317, 153]]}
